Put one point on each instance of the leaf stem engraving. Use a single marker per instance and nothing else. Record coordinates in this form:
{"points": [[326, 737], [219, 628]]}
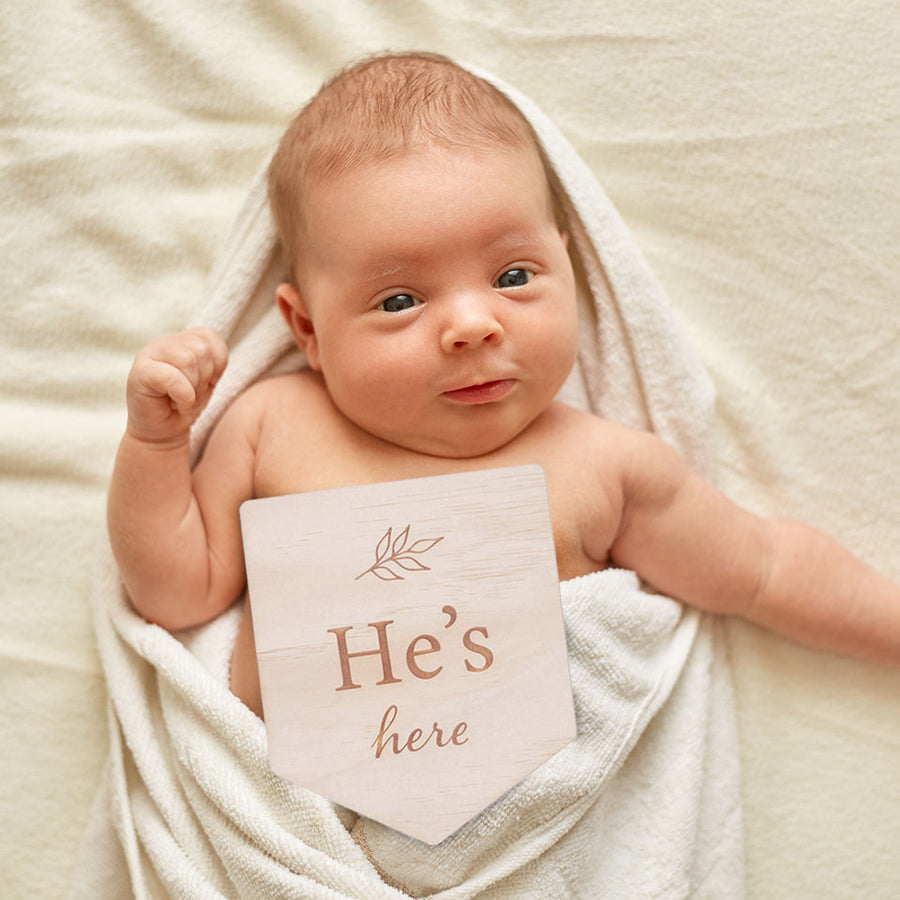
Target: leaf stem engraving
{"points": [[393, 556]]}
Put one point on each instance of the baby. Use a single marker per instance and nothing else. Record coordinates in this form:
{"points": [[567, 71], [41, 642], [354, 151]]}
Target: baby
{"points": [[434, 298]]}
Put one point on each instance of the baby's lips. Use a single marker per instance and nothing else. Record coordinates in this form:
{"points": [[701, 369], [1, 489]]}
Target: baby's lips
{"points": [[484, 392]]}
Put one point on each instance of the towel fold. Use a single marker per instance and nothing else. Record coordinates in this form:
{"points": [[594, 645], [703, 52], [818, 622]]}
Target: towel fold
{"points": [[642, 804]]}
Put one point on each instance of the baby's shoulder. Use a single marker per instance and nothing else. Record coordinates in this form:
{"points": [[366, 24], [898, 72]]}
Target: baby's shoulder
{"points": [[612, 450], [594, 432], [268, 399], [274, 392]]}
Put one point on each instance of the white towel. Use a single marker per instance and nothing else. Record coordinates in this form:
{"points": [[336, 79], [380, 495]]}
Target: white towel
{"points": [[643, 803]]}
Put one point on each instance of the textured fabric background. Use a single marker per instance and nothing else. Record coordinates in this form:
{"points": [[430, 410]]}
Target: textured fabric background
{"points": [[752, 149]]}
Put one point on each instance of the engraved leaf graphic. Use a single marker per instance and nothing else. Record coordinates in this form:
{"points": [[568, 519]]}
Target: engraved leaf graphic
{"points": [[423, 545], [392, 550], [384, 573], [400, 542], [410, 564], [381, 551]]}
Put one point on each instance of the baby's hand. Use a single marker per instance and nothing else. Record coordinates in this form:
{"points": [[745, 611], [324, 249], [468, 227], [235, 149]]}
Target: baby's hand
{"points": [[171, 382]]}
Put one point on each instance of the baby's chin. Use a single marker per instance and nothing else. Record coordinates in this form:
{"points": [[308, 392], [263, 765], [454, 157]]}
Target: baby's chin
{"points": [[471, 445]]}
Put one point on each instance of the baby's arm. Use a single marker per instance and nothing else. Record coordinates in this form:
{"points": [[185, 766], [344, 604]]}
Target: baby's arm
{"points": [[688, 540], [175, 552]]}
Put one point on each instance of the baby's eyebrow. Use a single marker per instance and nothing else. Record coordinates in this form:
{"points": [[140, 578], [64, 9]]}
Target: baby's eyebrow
{"points": [[515, 240], [383, 267], [502, 241]]}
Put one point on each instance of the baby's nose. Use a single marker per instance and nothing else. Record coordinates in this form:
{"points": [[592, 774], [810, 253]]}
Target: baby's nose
{"points": [[470, 323]]}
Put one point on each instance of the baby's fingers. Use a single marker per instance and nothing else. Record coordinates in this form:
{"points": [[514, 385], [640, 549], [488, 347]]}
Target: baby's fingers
{"points": [[162, 379], [202, 356], [175, 374], [199, 354], [210, 353]]}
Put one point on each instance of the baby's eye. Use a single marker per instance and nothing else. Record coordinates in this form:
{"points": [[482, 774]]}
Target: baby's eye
{"points": [[514, 278], [398, 303]]}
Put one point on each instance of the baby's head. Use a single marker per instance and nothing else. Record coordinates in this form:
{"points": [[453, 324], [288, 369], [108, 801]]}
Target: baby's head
{"points": [[430, 280], [380, 108]]}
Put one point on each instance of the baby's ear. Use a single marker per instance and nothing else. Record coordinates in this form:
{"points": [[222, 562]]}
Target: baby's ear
{"points": [[300, 322]]}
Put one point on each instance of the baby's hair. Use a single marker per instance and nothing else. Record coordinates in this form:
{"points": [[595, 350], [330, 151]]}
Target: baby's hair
{"points": [[381, 107]]}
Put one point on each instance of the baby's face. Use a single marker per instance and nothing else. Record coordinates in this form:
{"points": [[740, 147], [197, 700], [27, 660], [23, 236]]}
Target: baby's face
{"points": [[441, 297]]}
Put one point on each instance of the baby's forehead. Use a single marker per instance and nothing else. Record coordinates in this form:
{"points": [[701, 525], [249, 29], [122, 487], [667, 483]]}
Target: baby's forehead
{"points": [[433, 197], [319, 181]]}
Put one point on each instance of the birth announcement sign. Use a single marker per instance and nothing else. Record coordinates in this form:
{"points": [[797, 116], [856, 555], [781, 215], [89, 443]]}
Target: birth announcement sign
{"points": [[410, 641]]}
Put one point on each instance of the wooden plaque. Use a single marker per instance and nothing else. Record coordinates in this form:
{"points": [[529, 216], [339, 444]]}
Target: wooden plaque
{"points": [[410, 640]]}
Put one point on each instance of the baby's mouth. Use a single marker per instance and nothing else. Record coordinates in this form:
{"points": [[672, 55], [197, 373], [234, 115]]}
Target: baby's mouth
{"points": [[481, 393]]}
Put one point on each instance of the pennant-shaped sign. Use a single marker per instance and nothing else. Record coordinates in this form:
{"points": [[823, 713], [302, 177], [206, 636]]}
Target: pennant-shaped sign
{"points": [[410, 642]]}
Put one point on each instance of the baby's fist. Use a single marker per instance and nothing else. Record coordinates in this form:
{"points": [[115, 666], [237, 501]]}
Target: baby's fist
{"points": [[171, 382]]}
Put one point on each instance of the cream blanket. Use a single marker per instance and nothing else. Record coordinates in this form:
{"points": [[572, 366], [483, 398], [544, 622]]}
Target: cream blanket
{"points": [[644, 801], [752, 149]]}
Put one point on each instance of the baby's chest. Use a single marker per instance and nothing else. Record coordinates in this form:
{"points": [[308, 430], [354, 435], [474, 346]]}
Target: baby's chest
{"points": [[293, 466], [287, 465]]}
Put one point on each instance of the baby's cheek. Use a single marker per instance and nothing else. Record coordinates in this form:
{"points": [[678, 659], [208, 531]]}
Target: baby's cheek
{"points": [[558, 346], [364, 396]]}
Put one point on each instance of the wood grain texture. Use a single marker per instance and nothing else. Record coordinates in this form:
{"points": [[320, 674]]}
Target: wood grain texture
{"points": [[410, 642]]}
